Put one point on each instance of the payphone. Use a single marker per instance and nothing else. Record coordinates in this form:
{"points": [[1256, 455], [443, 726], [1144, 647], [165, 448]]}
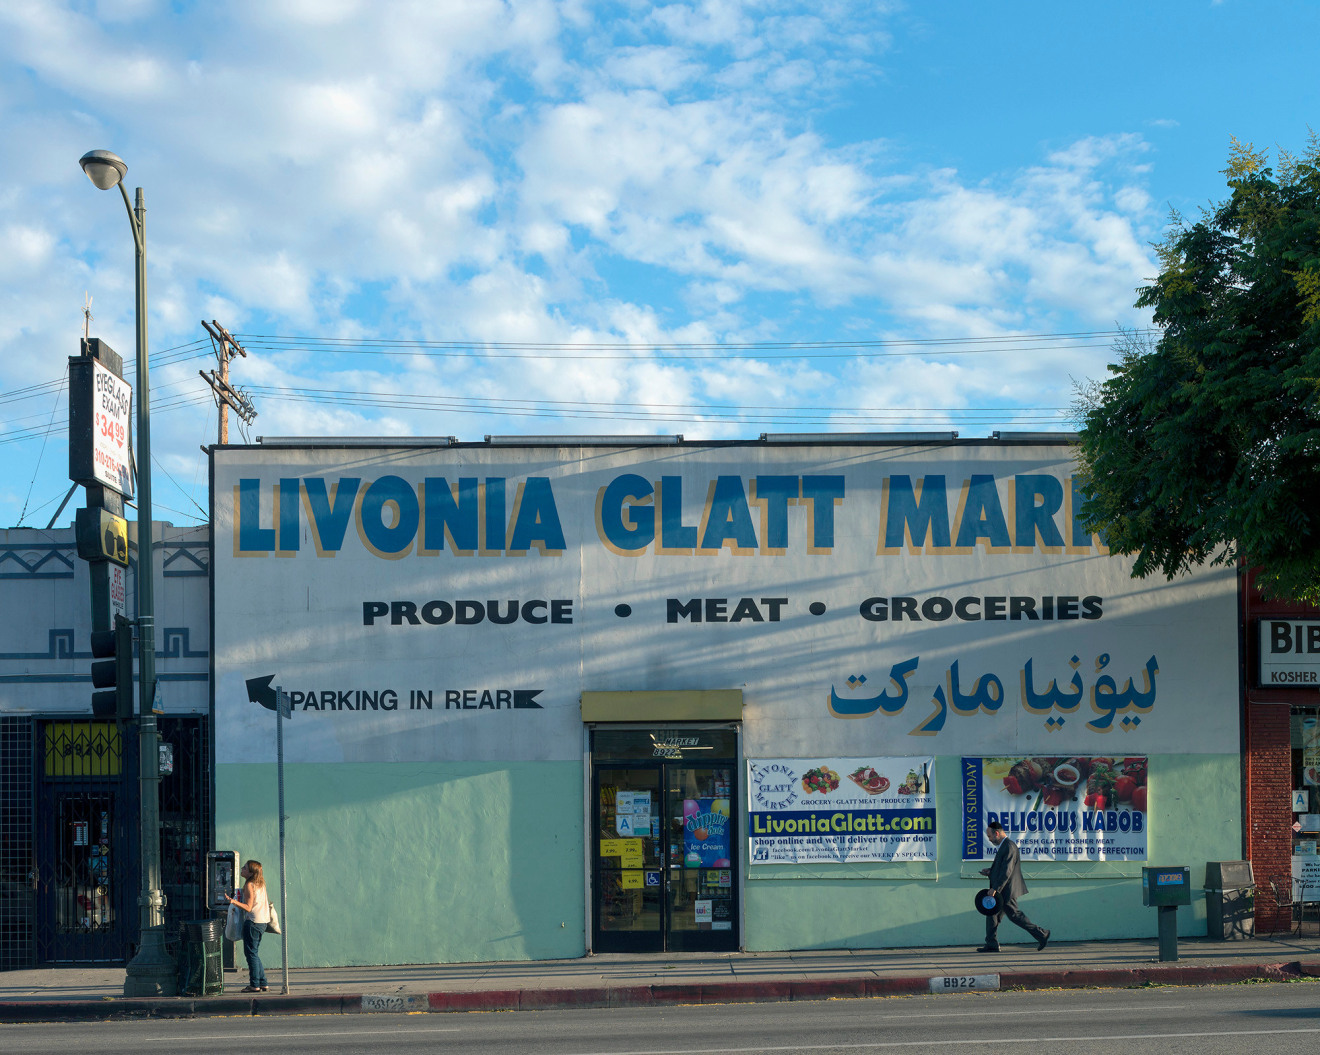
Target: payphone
{"points": [[221, 885], [221, 878]]}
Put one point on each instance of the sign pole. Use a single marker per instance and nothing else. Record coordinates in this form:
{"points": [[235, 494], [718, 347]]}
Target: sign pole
{"points": [[281, 705]]}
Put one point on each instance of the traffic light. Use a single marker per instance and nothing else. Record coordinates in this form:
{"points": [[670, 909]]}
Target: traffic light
{"points": [[113, 671]]}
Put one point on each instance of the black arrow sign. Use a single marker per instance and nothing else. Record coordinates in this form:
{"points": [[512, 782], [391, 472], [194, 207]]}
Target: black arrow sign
{"points": [[523, 699], [259, 691]]}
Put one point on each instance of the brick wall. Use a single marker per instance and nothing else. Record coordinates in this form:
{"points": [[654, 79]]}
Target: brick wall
{"points": [[1268, 756], [1269, 812]]}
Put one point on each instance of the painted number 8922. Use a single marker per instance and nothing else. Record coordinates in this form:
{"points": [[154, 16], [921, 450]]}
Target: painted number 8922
{"points": [[954, 983]]}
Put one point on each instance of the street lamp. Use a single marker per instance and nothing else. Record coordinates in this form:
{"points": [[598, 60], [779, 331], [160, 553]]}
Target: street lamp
{"points": [[151, 972]]}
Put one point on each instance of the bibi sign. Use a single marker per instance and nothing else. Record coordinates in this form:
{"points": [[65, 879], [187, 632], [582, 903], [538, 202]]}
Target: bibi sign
{"points": [[1289, 653]]}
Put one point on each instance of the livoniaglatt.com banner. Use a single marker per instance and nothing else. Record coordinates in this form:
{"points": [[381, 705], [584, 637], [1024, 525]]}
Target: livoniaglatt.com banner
{"points": [[806, 811], [1056, 808]]}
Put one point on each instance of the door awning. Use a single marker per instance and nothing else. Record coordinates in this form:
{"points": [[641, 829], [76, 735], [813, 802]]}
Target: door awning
{"points": [[686, 705]]}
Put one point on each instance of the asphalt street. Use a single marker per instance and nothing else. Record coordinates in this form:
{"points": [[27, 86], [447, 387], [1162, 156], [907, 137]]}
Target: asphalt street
{"points": [[1273, 1019]]}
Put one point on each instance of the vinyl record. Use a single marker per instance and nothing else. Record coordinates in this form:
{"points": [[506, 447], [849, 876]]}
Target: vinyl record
{"points": [[987, 902]]}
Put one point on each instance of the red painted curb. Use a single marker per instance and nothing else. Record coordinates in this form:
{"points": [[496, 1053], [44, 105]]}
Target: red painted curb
{"points": [[644, 995], [552, 999], [630, 996], [491, 1000], [907, 986]]}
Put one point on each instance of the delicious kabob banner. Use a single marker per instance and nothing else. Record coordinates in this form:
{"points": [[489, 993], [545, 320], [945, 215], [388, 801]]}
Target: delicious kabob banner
{"points": [[805, 811], [1080, 808]]}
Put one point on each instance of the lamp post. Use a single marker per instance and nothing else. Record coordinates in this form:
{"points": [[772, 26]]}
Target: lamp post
{"points": [[151, 972]]}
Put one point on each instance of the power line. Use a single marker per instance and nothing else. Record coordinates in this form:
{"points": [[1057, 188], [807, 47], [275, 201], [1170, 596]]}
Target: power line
{"points": [[497, 405], [718, 351], [37, 469], [693, 413]]}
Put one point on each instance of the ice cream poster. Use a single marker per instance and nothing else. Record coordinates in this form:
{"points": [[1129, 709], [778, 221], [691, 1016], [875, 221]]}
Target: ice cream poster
{"points": [[841, 810], [706, 833], [1057, 808]]}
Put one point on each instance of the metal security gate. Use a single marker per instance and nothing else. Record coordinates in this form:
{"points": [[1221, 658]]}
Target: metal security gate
{"points": [[17, 861], [84, 848], [69, 839]]}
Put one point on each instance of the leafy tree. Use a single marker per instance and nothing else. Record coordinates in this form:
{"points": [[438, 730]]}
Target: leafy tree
{"points": [[1204, 444]]}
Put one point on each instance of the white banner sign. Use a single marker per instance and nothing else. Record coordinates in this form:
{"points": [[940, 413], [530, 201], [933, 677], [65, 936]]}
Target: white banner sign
{"points": [[807, 811], [112, 403]]}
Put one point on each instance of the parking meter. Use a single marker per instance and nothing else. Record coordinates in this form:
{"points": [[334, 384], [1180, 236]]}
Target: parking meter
{"points": [[1165, 889], [221, 878]]}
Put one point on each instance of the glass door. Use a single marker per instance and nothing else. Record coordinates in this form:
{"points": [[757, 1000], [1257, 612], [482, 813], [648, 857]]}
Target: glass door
{"points": [[701, 896], [628, 909], [664, 854]]}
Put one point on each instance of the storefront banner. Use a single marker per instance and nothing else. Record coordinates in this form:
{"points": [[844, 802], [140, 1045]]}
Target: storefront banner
{"points": [[806, 811], [1057, 808]]}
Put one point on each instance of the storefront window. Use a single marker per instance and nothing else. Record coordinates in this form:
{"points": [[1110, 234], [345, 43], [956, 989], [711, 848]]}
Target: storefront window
{"points": [[1306, 780]]}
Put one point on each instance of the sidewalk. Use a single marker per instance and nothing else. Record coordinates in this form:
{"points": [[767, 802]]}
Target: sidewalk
{"points": [[614, 980]]}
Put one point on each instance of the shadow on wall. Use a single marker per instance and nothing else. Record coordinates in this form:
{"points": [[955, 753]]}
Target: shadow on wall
{"points": [[416, 862]]}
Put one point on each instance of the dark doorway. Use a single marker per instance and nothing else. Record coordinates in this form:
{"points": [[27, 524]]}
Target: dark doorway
{"points": [[84, 848], [665, 839]]}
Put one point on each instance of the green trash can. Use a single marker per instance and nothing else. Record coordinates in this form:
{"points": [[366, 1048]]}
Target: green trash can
{"points": [[201, 967]]}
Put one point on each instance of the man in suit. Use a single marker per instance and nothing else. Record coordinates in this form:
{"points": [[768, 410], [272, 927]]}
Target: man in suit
{"points": [[1005, 874]]}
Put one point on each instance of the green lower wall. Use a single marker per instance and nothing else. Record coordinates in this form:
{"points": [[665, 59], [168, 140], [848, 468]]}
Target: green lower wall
{"points": [[1196, 817], [466, 862], [415, 863]]}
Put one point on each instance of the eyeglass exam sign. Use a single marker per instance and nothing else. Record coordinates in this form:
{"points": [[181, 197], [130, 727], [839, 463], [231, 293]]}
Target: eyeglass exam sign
{"points": [[100, 405]]}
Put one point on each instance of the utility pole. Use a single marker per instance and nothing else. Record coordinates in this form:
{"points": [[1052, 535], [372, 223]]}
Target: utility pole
{"points": [[226, 396]]}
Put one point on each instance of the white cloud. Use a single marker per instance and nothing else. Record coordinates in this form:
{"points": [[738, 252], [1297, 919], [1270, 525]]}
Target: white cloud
{"points": [[526, 172]]}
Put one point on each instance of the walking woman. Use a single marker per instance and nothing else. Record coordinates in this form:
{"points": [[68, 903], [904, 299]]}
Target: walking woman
{"points": [[257, 906]]}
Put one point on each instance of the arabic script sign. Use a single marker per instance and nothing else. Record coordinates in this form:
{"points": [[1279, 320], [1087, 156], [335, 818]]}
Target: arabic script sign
{"points": [[987, 695]]}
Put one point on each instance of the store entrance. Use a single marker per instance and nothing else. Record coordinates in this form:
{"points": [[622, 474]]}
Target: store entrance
{"points": [[664, 860], [83, 853]]}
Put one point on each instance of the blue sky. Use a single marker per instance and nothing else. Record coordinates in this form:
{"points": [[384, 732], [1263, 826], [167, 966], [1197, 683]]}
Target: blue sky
{"points": [[709, 218]]}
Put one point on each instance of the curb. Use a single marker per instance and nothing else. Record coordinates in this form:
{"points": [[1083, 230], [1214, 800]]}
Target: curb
{"points": [[111, 1008]]}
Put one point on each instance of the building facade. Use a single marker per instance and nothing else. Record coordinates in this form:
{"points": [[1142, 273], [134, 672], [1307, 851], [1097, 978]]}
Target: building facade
{"points": [[555, 698], [1281, 754], [69, 791]]}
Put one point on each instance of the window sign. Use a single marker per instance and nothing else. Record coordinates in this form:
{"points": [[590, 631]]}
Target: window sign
{"points": [[705, 832]]}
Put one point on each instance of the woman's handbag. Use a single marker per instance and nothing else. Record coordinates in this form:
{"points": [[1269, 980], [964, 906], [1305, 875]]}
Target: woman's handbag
{"points": [[273, 927], [234, 924]]}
